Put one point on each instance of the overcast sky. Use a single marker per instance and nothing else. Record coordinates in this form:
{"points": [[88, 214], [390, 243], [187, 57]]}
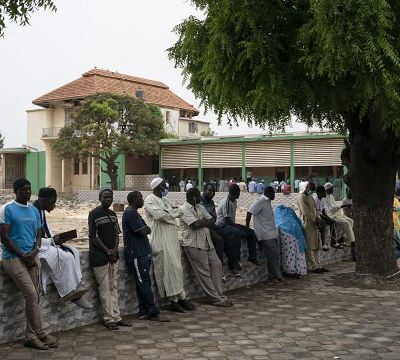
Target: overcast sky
{"points": [[130, 37]]}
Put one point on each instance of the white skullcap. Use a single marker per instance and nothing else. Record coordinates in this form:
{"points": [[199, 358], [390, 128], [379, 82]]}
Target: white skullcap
{"points": [[155, 182], [189, 181], [328, 185]]}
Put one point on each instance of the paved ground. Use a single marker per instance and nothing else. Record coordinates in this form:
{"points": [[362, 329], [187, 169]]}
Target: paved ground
{"points": [[308, 319]]}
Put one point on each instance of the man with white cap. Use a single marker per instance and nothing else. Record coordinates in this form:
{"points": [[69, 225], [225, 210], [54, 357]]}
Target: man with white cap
{"points": [[165, 245], [335, 212]]}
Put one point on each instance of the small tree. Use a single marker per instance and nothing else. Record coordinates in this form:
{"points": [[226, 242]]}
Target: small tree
{"points": [[19, 11], [106, 125], [208, 132], [331, 63]]}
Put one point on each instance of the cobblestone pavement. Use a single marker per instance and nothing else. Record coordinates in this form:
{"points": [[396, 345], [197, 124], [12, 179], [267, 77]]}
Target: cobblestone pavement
{"points": [[308, 319]]}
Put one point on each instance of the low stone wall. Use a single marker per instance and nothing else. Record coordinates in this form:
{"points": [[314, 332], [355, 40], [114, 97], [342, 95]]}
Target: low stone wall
{"points": [[64, 316]]}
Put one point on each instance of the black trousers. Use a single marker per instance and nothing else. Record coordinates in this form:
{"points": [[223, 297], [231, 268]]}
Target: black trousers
{"points": [[234, 235], [140, 268]]}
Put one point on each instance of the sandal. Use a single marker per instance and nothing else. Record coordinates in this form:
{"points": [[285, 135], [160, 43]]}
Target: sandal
{"points": [[36, 344], [111, 326], [50, 341]]}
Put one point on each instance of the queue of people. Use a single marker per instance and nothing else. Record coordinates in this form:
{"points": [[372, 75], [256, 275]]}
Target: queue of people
{"points": [[208, 233]]}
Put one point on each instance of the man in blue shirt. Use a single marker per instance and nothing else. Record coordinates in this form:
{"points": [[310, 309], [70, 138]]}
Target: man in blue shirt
{"points": [[21, 239], [260, 187], [138, 257]]}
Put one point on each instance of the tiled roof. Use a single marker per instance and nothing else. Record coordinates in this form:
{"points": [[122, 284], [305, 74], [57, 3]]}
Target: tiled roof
{"points": [[97, 80]]}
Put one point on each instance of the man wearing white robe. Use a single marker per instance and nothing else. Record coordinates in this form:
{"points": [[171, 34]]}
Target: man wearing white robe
{"points": [[166, 250], [336, 213], [60, 263]]}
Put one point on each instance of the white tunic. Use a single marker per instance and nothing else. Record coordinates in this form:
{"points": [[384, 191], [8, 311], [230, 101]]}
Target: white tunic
{"points": [[59, 266]]}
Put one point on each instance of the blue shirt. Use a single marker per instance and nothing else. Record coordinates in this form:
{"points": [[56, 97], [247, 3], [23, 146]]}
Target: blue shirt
{"points": [[260, 188], [24, 221], [136, 245]]}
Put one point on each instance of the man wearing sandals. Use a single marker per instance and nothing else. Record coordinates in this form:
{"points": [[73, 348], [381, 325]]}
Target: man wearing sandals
{"points": [[103, 255], [21, 238]]}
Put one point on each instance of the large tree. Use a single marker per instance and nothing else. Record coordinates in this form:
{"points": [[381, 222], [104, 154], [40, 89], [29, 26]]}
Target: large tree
{"points": [[106, 125], [331, 63], [19, 11]]}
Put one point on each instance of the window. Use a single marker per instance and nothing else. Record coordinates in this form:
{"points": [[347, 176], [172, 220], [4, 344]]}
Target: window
{"points": [[192, 127], [85, 165], [139, 93], [67, 117], [167, 117], [76, 166], [182, 114]]}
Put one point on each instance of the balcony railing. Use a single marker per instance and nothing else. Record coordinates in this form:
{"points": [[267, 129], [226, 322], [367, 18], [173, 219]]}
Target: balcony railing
{"points": [[51, 132], [55, 132]]}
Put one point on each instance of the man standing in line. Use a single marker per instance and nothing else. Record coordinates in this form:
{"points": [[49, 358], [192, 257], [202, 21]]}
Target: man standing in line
{"points": [[103, 255], [296, 185], [228, 229], [252, 186], [21, 239], [182, 185], [308, 213], [260, 187], [165, 246], [189, 185], [242, 185], [60, 262], [266, 231], [137, 253], [199, 250]]}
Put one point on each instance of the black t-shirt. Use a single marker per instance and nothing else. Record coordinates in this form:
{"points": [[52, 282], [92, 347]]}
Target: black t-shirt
{"points": [[103, 223], [136, 245]]}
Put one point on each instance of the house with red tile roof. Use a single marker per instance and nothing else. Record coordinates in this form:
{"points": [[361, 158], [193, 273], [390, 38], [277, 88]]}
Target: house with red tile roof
{"points": [[44, 124]]}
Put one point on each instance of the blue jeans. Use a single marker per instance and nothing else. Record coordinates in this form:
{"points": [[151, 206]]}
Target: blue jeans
{"points": [[234, 235]]}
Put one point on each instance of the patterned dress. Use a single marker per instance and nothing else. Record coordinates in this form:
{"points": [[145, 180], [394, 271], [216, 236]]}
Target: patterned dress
{"points": [[293, 260]]}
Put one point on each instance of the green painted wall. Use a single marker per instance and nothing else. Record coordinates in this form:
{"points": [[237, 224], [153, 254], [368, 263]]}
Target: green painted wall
{"points": [[105, 179], [36, 170]]}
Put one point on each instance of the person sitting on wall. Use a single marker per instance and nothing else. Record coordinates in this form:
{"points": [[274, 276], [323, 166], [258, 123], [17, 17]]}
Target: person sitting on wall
{"points": [[60, 262], [221, 244], [199, 250], [347, 204], [335, 213], [229, 229]]}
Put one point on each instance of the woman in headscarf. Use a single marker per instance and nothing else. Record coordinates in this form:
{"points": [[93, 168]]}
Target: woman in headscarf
{"points": [[293, 243]]}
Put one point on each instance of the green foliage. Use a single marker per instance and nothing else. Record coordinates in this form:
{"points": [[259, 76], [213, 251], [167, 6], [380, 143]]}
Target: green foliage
{"points": [[1, 141], [208, 132], [107, 125], [265, 61], [19, 11]]}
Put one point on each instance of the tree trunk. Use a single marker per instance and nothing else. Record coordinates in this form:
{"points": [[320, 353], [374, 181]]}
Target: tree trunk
{"points": [[112, 172], [370, 158]]}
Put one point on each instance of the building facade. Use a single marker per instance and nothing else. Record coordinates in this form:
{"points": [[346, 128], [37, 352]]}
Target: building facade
{"points": [[268, 157], [72, 175]]}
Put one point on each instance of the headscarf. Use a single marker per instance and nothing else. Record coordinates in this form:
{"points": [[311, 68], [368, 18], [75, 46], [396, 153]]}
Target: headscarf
{"points": [[155, 182], [19, 183], [47, 193], [287, 221]]}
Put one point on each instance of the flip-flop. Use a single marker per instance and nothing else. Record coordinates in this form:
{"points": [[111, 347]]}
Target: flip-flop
{"points": [[50, 341], [36, 344]]}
